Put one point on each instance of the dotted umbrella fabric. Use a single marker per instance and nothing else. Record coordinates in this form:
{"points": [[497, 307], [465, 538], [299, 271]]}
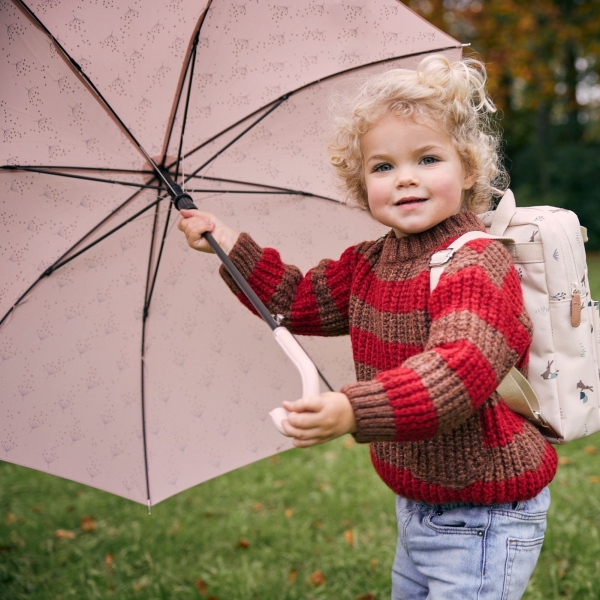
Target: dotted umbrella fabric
{"points": [[125, 362]]}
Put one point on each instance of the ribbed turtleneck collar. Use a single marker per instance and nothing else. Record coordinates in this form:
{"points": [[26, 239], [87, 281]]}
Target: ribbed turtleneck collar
{"points": [[406, 248]]}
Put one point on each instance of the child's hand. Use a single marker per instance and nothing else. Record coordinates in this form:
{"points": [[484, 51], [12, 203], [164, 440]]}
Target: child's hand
{"points": [[319, 419], [194, 223]]}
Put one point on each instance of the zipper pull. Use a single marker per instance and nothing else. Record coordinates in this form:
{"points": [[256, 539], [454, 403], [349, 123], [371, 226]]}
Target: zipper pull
{"points": [[575, 306]]}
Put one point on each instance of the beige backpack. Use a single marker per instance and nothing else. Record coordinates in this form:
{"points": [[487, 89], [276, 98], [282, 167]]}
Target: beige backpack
{"points": [[560, 394]]}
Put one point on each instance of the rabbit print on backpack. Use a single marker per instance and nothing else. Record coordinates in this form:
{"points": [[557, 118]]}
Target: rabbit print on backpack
{"points": [[548, 374]]}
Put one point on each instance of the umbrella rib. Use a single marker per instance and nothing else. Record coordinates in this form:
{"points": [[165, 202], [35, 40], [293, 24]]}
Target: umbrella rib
{"points": [[336, 74], [191, 67], [92, 87], [263, 192], [277, 189], [191, 64], [83, 177], [192, 60], [150, 292], [277, 104], [57, 264], [187, 105], [143, 349], [67, 168]]}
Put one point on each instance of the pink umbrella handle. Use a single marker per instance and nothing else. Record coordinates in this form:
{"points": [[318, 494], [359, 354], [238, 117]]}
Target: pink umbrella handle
{"points": [[307, 369]]}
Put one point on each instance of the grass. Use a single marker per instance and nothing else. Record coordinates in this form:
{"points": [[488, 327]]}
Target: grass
{"points": [[306, 524], [260, 532]]}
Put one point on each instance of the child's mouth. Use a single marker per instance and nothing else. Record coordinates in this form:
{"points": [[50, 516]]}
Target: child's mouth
{"points": [[409, 202]]}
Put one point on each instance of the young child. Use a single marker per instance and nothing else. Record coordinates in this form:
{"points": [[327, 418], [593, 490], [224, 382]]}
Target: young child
{"points": [[416, 149]]}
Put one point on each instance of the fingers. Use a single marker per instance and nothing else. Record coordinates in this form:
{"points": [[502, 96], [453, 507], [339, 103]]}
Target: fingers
{"points": [[312, 404], [319, 419], [194, 224], [306, 437], [305, 420]]}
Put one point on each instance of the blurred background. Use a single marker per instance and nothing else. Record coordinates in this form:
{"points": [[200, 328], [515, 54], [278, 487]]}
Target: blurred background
{"points": [[543, 61]]}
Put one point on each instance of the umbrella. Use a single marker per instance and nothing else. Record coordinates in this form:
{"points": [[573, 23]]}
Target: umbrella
{"points": [[125, 363]]}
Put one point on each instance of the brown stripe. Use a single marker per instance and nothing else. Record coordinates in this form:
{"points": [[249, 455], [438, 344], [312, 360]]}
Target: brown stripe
{"points": [[370, 251], [281, 300], [332, 320], [373, 413], [245, 255], [399, 328], [459, 458], [396, 272], [446, 390], [365, 372], [495, 259], [465, 325]]}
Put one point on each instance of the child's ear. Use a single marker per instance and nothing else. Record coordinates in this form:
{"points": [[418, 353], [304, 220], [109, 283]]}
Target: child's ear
{"points": [[469, 181]]}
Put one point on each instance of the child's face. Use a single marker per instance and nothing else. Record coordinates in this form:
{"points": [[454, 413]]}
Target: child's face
{"points": [[413, 173]]}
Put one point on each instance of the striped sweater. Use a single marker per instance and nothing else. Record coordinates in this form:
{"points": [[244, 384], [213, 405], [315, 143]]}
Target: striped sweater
{"points": [[427, 365]]}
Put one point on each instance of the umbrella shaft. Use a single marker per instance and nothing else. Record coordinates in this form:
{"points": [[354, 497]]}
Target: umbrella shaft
{"points": [[183, 200]]}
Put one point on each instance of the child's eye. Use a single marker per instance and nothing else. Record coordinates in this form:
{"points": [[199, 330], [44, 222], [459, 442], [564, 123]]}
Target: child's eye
{"points": [[429, 160], [382, 167]]}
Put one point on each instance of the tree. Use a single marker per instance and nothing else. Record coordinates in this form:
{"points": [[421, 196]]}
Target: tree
{"points": [[543, 62]]}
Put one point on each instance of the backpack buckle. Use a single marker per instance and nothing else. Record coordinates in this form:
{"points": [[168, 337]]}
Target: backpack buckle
{"points": [[441, 257]]}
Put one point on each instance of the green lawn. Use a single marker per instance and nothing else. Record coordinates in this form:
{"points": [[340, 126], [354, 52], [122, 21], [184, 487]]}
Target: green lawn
{"points": [[306, 524]]}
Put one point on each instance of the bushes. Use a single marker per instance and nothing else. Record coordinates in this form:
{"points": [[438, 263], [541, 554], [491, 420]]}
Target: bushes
{"points": [[565, 175]]}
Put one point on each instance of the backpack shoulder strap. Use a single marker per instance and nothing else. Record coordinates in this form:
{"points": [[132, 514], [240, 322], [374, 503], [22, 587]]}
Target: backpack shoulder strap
{"points": [[441, 258]]}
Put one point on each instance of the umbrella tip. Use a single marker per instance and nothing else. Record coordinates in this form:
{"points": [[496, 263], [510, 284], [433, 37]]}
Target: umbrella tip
{"points": [[149, 507]]}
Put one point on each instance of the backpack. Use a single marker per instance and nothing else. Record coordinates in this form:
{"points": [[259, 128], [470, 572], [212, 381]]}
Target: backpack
{"points": [[560, 395]]}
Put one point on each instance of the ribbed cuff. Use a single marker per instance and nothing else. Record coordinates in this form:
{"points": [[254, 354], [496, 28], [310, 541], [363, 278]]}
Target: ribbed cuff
{"points": [[372, 411], [245, 255]]}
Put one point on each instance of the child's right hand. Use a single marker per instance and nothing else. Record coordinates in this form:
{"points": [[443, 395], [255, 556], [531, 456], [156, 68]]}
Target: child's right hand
{"points": [[194, 223]]}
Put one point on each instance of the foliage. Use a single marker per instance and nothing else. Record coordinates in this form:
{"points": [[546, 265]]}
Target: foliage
{"points": [[543, 61]]}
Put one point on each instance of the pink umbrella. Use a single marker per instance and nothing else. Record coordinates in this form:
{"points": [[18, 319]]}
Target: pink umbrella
{"points": [[125, 363]]}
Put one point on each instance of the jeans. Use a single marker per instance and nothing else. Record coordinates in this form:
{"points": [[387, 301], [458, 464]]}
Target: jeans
{"points": [[467, 552]]}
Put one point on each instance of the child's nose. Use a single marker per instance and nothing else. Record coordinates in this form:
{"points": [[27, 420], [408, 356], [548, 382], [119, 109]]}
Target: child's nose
{"points": [[406, 177]]}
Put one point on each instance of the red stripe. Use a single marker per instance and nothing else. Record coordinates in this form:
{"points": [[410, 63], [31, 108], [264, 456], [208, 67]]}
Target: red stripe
{"points": [[271, 273], [521, 487], [478, 244], [339, 288], [371, 351], [394, 296], [305, 310], [487, 303], [473, 368], [414, 413], [500, 425]]}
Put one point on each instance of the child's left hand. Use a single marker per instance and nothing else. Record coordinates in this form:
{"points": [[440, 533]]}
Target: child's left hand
{"points": [[319, 419]]}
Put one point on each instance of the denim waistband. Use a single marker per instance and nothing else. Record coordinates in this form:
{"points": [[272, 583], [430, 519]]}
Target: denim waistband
{"points": [[452, 505], [449, 505]]}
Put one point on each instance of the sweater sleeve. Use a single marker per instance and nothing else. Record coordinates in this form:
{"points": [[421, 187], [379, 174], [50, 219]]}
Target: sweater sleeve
{"points": [[479, 330], [311, 304]]}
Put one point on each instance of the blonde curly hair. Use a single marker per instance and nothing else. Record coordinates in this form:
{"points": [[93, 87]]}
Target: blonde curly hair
{"points": [[453, 95]]}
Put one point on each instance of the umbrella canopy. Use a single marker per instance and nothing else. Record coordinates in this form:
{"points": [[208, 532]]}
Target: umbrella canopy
{"points": [[125, 363]]}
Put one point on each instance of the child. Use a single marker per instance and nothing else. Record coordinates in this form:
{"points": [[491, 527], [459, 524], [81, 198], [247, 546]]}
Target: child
{"points": [[416, 150]]}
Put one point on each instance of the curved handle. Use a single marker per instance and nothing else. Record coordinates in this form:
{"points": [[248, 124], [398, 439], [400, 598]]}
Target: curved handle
{"points": [[306, 368]]}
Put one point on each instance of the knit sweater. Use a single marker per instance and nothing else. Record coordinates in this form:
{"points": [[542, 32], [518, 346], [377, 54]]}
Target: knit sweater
{"points": [[427, 364]]}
